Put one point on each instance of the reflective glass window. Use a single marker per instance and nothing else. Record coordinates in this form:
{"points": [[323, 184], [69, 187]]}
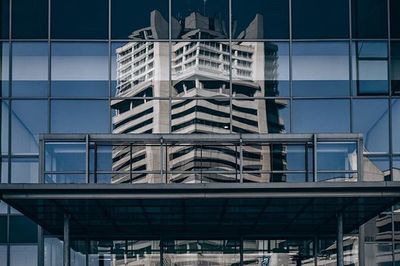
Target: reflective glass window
{"points": [[369, 18], [30, 19], [396, 169], [80, 116], [76, 19], [395, 67], [30, 69], [4, 69], [22, 255], [4, 170], [320, 116], [378, 254], [150, 20], [370, 68], [316, 19], [141, 116], [79, 70], [4, 18], [394, 19], [396, 125], [24, 170], [140, 69], [376, 168], [320, 69], [260, 69], [379, 228], [194, 116], [201, 69], [194, 19], [260, 116], [3, 207], [28, 120], [3, 229], [253, 19], [22, 230], [5, 111], [3, 255], [371, 118]]}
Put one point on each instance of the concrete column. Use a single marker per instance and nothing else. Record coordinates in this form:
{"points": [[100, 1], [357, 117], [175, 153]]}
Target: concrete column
{"points": [[66, 258], [339, 240]]}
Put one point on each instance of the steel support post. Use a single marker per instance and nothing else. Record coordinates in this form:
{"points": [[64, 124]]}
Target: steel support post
{"points": [[66, 257], [339, 239]]}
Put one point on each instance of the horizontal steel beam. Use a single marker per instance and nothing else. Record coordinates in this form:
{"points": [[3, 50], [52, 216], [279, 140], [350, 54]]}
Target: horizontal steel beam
{"points": [[199, 138]]}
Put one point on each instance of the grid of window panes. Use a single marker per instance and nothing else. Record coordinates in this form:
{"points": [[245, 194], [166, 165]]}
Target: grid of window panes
{"points": [[273, 66]]}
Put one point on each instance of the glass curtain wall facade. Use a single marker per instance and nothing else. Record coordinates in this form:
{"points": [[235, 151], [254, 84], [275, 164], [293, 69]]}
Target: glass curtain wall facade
{"points": [[198, 66]]}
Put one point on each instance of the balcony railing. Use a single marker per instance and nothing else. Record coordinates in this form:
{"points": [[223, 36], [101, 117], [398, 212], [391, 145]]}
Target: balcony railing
{"points": [[200, 158]]}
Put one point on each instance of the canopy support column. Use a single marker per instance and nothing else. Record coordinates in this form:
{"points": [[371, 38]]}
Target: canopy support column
{"points": [[339, 240], [67, 259]]}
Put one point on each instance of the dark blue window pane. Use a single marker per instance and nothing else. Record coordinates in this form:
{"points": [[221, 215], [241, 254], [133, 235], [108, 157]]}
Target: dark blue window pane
{"points": [[254, 19], [79, 70], [28, 120], [3, 229], [5, 109], [30, 69], [396, 125], [317, 19], [370, 68], [193, 19], [80, 19], [395, 67], [79, 116], [4, 69], [4, 171], [4, 15], [22, 230], [395, 19], [24, 170], [30, 19], [320, 69], [369, 18], [371, 118], [150, 19], [321, 116]]}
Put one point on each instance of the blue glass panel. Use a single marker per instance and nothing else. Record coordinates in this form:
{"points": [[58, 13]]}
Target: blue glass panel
{"points": [[5, 111], [22, 255], [80, 116], [321, 116], [79, 70], [371, 118], [4, 69], [24, 170], [320, 69], [396, 125], [30, 69], [29, 118], [30, 19]]}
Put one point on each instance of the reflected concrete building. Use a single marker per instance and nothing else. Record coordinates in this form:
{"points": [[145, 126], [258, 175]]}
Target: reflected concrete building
{"points": [[199, 69]]}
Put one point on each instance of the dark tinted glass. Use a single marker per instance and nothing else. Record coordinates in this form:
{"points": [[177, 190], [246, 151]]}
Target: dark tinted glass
{"points": [[79, 116], [30, 19], [3, 229], [4, 69], [395, 67], [370, 68], [255, 19], [80, 19], [79, 69], [396, 125], [395, 18], [30, 69], [369, 18], [145, 20], [320, 19], [321, 116], [22, 230], [371, 118], [4, 15], [28, 120], [320, 69], [200, 19], [24, 170]]}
